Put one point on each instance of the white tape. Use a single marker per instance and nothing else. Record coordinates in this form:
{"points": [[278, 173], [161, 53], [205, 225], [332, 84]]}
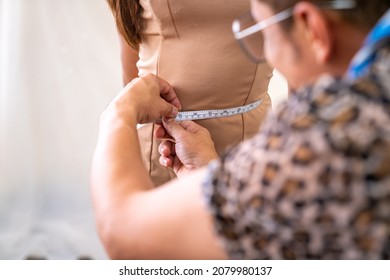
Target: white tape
{"points": [[219, 113]]}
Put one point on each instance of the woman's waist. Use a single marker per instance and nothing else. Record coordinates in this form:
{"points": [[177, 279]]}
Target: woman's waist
{"points": [[222, 110], [217, 98]]}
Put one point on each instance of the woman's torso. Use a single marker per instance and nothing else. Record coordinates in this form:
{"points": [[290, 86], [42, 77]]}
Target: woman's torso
{"points": [[191, 45]]}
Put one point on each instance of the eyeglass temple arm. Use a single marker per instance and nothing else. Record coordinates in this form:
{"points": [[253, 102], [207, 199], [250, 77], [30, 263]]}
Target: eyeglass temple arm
{"points": [[336, 5]]}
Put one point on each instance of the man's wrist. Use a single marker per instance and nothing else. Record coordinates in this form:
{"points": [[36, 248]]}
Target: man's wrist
{"points": [[112, 117]]}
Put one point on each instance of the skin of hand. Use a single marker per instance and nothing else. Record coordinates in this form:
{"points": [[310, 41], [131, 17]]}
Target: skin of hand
{"points": [[189, 146], [143, 100]]}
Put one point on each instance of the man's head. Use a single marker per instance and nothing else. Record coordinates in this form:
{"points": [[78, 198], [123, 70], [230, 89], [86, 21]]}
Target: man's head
{"points": [[319, 36], [365, 13]]}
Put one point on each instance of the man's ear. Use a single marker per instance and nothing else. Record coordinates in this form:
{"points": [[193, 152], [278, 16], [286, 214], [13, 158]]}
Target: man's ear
{"points": [[316, 29]]}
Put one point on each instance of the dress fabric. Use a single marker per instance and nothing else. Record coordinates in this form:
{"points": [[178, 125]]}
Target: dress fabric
{"points": [[190, 44], [315, 182]]}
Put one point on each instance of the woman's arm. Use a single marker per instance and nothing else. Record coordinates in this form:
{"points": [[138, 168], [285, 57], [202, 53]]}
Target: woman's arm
{"points": [[129, 58]]}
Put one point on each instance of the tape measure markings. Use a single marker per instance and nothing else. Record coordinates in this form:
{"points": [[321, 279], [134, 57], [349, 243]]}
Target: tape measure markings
{"points": [[218, 113]]}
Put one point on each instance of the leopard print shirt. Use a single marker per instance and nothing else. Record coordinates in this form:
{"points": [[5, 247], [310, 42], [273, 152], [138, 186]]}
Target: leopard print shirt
{"points": [[315, 182]]}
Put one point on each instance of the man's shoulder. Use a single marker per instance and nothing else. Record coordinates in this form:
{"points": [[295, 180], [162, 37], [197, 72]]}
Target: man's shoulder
{"points": [[331, 95], [350, 115]]}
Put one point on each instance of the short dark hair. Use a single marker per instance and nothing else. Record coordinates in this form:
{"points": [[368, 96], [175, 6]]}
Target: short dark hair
{"points": [[364, 15]]}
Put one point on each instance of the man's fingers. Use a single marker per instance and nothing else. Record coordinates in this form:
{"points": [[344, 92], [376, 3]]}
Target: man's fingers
{"points": [[172, 127], [169, 110], [167, 92], [191, 126], [166, 148], [160, 132], [166, 161], [172, 103]]}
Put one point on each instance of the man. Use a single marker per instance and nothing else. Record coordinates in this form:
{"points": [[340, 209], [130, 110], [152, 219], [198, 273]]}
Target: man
{"points": [[313, 184]]}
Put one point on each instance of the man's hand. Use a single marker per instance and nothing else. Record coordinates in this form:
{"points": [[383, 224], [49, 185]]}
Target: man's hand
{"points": [[143, 100], [190, 145], [127, 205]]}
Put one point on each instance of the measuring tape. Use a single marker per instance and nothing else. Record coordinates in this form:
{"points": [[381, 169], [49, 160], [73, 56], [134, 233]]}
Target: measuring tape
{"points": [[219, 113]]}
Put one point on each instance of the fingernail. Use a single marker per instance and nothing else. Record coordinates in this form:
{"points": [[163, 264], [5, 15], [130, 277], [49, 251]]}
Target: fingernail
{"points": [[175, 111], [168, 120]]}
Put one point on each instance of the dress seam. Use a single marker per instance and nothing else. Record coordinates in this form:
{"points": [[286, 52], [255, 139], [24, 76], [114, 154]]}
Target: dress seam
{"points": [[246, 100]]}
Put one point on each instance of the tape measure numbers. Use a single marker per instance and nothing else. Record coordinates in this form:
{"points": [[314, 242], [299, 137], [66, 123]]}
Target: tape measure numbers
{"points": [[219, 113]]}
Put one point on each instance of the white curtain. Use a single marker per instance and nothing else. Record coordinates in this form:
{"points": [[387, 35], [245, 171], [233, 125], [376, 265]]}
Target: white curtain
{"points": [[59, 67]]}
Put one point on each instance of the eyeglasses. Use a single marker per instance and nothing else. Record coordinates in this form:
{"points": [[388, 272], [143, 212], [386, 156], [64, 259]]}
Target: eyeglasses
{"points": [[247, 31]]}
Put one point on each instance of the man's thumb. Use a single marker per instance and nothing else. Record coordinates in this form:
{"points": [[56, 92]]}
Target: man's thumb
{"points": [[170, 110], [172, 127]]}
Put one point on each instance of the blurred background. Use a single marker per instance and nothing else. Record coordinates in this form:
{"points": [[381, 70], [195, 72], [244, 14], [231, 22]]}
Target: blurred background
{"points": [[59, 67]]}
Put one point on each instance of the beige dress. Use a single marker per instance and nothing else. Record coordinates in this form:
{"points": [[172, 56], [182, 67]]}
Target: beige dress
{"points": [[190, 44]]}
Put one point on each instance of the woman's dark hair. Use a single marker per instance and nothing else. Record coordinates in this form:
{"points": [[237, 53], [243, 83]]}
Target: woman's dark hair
{"points": [[128, 20]]}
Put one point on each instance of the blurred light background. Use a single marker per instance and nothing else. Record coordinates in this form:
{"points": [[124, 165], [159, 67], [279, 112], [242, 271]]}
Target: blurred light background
{"points": [[59, 67]]}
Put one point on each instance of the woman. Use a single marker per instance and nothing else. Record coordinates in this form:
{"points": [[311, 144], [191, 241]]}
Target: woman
{"points": [[160, 37]]}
